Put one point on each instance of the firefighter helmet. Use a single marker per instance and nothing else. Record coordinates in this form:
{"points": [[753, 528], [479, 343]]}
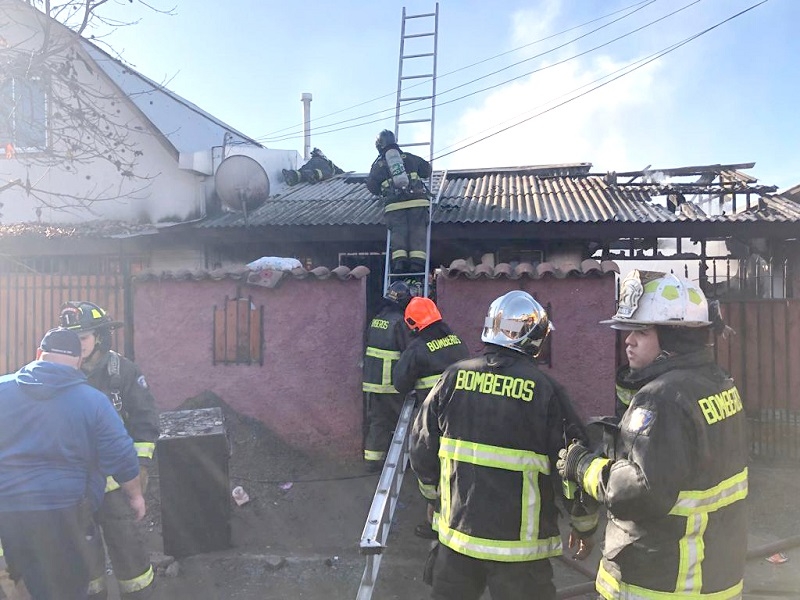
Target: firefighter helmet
{"points": [[420, 313], [399, 293], [385, 138], [516, 321], [85, 316], [648, 298]]}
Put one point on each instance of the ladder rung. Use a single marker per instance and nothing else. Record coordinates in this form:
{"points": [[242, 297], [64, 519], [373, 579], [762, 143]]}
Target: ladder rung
{"points": [[417, 35], [420, 16], [414, 121], [417, 144], [410, 98], [429, 76], [426, 55]]}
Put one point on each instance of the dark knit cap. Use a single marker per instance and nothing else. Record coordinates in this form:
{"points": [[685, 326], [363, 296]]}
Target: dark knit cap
{"points": [[682, 340], [61, 341]]}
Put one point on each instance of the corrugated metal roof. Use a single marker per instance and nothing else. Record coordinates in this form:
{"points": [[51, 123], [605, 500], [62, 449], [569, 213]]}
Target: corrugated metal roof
{"points": [[551, 194]]}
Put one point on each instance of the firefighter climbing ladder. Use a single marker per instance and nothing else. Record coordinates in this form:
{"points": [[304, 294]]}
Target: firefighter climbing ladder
{"points": [[416, 71], [384, 502]]}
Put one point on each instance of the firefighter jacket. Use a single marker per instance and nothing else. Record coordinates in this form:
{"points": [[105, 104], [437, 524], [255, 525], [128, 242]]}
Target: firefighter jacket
{"points": [[488, 436], [674, 484], [121, 380], [428, 354], [380, 183], [386, 337]]}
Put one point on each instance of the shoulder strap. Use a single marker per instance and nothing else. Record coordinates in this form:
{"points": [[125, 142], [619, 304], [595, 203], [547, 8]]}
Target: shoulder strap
{"points": [[115, 377]]}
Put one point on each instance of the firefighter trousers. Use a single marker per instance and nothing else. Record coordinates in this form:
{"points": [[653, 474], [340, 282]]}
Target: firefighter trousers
{"points": [[129, 557], [383, 411], [460, 577], [409, 227]]}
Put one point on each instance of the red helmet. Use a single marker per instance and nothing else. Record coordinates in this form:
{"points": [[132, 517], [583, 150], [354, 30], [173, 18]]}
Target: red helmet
{"points": [[420, 313]]}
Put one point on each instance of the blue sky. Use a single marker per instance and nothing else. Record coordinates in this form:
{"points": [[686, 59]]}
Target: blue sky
{"points": [[729, 96]]}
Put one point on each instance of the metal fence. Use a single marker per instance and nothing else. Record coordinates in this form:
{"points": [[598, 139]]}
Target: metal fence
{"points": [[30, 304]]}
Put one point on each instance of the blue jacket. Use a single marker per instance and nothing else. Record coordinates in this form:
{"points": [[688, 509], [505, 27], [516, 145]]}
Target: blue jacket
{"points": [[59, 438]]}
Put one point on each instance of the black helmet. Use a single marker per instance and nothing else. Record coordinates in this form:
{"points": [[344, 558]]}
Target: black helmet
{"points": [[385, 138], [399, 293], [85, 316]]}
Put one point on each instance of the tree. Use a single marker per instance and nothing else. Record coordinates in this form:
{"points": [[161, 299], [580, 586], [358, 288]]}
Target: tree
{"points": [[56, 110]]}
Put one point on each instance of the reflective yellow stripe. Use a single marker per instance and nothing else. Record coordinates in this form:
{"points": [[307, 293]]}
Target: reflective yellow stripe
{"points": [[611, 588], [399, 254], [1, 550], [426, 383], [380, 353], [723, 494], [144, 449], [428, 491], [530, 465], [378, 388], [418, 254], [374, 455], [416, 203], [584, 523], [625, 395], [97, 586], [493, 456], [111, 484], [499, 550], [128, 586], [591, 478], [387, 356], [696, 505]]}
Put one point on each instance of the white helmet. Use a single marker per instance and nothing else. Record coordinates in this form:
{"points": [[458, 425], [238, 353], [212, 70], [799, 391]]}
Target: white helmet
{"points": [[648, 298], [517, 321]]}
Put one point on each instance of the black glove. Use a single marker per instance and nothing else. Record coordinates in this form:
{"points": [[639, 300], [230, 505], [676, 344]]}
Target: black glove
{"points": [[571, 459]]}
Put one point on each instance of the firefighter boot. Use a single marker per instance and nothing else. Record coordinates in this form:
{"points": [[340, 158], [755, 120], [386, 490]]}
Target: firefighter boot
{"points": [[291, 177]]}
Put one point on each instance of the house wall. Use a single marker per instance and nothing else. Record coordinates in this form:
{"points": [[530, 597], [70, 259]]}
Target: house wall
{"points": [[161, 193], [582, 350], [308, 391]]}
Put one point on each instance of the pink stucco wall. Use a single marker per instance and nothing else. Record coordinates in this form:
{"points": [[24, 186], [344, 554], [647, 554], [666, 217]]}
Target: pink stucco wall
{"points": [[583, 350], [308, 391]]}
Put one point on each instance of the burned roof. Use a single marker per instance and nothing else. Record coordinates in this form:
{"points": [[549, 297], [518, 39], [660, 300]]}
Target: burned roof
{"points": [[546, 194]]}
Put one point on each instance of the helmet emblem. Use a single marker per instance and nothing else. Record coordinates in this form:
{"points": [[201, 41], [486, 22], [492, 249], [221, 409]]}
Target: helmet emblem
{"points": [[630, 291]]}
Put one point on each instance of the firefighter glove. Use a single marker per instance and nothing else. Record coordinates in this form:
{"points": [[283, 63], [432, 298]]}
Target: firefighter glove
{"points": [[573, 460]]}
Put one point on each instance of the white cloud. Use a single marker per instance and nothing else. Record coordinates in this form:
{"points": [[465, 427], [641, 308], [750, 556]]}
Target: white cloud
{"points": [[608, 126]]}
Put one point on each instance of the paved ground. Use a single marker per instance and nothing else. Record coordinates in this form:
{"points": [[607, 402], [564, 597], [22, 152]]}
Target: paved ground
{"points": [[298, 536]]}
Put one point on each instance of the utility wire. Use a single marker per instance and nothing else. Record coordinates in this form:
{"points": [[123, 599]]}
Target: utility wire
{"points": [[269, 136], [494, 86], [658, 55]]}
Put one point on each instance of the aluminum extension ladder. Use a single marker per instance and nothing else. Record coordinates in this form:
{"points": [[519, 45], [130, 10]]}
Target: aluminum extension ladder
{"points": [[417, 69]]}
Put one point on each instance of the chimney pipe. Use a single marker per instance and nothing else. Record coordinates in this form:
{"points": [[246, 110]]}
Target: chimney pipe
{"points": [[306, 100]]}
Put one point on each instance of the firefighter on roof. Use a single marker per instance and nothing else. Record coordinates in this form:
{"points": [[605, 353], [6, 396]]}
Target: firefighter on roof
{"points": [[397, 177], [485, 443], [674, 477], [120, 379], [318, 168]]}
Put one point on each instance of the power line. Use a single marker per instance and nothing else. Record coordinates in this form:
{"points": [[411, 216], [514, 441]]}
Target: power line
{"points": [[271, 136], [656, 57], [494, 86]]}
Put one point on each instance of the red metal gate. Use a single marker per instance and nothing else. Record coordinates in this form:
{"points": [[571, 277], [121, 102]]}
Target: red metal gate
{"points": [[764, 359], [30, 305]]}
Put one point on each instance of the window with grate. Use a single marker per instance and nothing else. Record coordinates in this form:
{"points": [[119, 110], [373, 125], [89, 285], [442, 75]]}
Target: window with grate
{"points": [[238, 333], [23, 114]]}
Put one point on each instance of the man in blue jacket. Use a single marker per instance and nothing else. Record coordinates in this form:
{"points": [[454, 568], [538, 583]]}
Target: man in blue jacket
{"points": [[59, 439]]}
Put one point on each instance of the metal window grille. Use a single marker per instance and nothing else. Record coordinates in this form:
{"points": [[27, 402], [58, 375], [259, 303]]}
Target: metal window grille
{"points": [[238, 333]]}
